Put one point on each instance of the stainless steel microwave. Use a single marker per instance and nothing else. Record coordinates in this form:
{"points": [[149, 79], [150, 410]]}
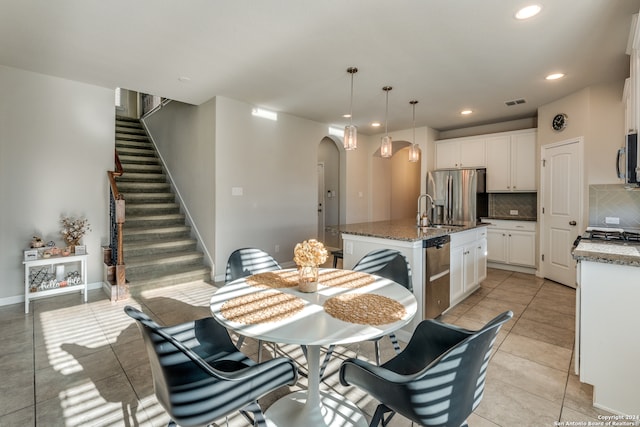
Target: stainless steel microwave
{"points": [[627, 161]]}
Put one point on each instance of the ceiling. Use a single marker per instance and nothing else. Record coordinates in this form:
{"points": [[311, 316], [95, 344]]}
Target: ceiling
{"points": [[291, 56]]}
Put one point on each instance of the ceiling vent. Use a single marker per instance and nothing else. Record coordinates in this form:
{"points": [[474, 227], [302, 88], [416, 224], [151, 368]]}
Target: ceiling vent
{"points": [[515, 102]]}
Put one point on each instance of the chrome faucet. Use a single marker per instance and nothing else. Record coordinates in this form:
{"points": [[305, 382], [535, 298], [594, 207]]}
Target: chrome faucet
{"points": [[419, 215]]}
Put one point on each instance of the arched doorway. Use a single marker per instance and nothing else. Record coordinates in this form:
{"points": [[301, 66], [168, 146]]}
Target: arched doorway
{"points": [[396, 184], [330, 194]]}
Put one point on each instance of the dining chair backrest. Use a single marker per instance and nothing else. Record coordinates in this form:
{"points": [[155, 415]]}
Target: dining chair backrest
{"points": [[200, 376], [437, 380], [247, 261], [462, 370], [387, 263]]}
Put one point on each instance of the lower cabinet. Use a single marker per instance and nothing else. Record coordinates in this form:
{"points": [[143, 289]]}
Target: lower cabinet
{"points": [[468, 262], [512, 242]]}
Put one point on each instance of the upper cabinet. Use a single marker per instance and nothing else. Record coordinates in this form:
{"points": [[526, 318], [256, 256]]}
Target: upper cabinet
{"points": [[460, 153], [510, 158], [511, 162]]}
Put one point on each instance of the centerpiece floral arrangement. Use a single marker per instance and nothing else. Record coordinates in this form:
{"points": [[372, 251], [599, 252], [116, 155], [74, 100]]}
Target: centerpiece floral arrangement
{"points": [[308, 256], [73, 229]]}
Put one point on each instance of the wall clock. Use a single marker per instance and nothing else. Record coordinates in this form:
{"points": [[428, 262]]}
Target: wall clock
{"points": [[559, 122]]}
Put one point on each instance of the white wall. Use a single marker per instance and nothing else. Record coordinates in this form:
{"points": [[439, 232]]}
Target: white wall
{"points": [[505, 126], [185, 138], [597, 114], [56, 144], [396, 180], [274, 165]]}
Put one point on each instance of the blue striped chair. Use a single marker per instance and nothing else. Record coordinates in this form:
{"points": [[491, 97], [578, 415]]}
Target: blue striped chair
{"points": [[437, 380], [199, 375], [387, 263], [246, 262]]}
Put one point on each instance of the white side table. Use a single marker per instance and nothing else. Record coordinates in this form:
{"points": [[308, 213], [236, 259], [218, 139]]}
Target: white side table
{"points": [[51, 263]]}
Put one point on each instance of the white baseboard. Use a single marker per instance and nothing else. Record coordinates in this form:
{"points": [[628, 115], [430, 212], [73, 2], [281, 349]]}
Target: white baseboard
{"points": [[17, 299], [499, 266]]}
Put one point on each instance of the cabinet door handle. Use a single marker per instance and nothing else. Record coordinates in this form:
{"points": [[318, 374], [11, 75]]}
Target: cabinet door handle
{"points": [[572, 223]]}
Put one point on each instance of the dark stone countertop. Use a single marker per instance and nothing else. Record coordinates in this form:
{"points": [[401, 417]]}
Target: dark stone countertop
{"points": [[404, 229]]}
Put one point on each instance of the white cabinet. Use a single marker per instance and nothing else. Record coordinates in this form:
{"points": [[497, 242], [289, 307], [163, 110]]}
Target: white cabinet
{"points": [[481, 254], [510, 159], [468, 264], [512, 242], [457, 153], [40, 277], [608, 345]]}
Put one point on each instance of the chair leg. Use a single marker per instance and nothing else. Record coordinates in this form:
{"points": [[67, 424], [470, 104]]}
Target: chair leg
{"points": [[376, 344], [257, 420], [325, 362], [378, 416], [240, 341], [394, 341]]}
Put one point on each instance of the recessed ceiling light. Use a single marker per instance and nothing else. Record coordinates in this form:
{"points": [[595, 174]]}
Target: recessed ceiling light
{"points": [[528, 12], [184, 78], [466, 112], [346, 116], [375, 124], [554, 76]]}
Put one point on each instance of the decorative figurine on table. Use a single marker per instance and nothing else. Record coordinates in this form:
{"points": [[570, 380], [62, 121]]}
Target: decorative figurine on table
{"points": [[37, 242]]}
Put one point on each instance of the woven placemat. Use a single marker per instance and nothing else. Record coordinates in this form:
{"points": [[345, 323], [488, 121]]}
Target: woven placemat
{"points": [[274, 279], [261, 307], [345, 279], [365, 309]]}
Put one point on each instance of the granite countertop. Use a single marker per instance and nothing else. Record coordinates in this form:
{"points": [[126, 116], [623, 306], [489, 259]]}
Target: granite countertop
{"points": [[608, 252], [404, 229]]}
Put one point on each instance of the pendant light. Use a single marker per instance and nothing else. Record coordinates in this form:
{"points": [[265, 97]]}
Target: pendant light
{"points": [[414, 151], [351, 131], [386, 147]]}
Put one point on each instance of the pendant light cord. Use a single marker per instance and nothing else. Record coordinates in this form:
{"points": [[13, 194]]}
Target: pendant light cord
{"points": [[386, 110]]}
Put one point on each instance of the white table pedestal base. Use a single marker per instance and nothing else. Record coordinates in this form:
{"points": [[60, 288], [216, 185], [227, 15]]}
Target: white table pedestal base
{"points": [[333, 410], [314, 408]]}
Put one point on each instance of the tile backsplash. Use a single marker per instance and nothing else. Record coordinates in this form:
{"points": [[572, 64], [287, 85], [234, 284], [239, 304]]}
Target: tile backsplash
{"points": [[614, 201], [501, 205]]}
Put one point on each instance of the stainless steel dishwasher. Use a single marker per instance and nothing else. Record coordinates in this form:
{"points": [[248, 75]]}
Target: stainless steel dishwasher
{"points": [[436, 280]]}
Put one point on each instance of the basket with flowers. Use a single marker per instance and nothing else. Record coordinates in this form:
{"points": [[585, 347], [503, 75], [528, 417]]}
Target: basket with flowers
{"points": [[308, 256], [73, 229]]}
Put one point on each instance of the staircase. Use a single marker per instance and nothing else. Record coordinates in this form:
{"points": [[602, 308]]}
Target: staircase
{"points": [[158, 248]]}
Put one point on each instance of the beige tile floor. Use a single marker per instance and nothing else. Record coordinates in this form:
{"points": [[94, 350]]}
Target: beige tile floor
{"points": [[73, 364]]}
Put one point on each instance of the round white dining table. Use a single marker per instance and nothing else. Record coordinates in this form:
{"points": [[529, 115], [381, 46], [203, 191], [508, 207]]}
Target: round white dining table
{"points": [[313, 327]]}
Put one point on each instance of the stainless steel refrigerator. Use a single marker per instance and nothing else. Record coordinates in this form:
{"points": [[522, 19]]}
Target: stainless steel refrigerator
{"points": [[459, 195]]}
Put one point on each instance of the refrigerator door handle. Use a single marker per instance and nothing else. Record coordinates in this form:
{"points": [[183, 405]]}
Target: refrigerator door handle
{"points": [[450, 198]]}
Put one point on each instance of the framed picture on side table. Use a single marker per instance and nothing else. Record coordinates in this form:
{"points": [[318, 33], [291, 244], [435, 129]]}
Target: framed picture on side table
{"points": [[81, 249]]}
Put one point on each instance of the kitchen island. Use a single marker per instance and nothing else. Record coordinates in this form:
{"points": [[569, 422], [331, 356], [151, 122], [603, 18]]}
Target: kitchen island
{"points": [[468, 254], [607, 325]]}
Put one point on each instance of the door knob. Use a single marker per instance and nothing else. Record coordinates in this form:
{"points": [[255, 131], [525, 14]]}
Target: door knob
{"points": [[572, 223]]}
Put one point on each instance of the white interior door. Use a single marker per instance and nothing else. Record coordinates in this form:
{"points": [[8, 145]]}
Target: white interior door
{"points": [[561, 209], [321, 202]]}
